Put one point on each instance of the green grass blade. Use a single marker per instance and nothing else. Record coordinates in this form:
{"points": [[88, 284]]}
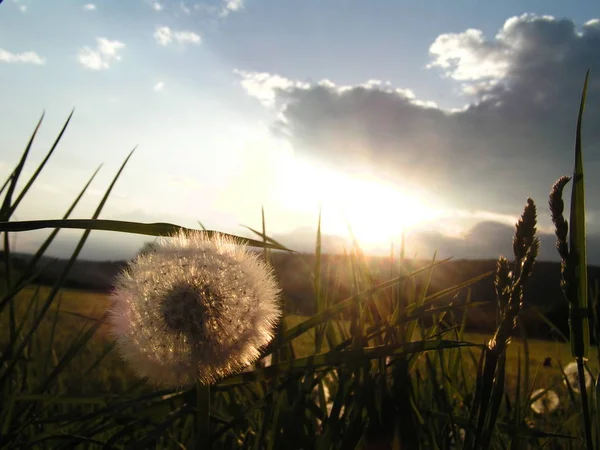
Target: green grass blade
{"points": [[149, 229], [269, 239], [580, 332], [59, 283], [14, 177], [41, 166], [29, 269], [578, 286]]}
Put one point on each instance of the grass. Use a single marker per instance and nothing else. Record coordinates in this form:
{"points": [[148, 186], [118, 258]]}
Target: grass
{"points": [[78, 308]]}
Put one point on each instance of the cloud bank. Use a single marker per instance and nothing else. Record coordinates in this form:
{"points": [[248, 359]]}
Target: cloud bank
{"points": [[512, 139]]}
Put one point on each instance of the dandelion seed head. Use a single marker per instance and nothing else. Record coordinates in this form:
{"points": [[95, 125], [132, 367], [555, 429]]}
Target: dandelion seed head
{"points": [[572, 375], [547, 402], [196, 307]]}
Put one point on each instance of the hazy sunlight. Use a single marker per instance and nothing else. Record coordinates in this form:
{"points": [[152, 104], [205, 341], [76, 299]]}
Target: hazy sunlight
{"points": [[377, 212]]}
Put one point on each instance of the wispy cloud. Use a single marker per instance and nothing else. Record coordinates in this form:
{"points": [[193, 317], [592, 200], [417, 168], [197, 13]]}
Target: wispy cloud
{"points": [[159, 86], [25, 57], [155, 5], [187, 11], [89, 7], [231, 6], [19, 4], [164, 36], [102, 56]]}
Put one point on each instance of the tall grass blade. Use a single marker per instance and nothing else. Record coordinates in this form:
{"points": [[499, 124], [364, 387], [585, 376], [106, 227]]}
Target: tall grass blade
{"points": [[29, 269], [580, 332], [149, 229], [578, 286], [5, 210], [41, 165]]}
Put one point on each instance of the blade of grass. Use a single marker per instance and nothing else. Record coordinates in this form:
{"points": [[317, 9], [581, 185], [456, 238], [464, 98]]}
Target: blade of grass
{"points": [[40, 166], [59, 283], [149, 229], [29, 269], [5, 210], [578, 286]]}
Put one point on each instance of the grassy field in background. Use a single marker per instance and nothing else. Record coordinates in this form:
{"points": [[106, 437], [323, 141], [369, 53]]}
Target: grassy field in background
{"points": [[78, 309]]}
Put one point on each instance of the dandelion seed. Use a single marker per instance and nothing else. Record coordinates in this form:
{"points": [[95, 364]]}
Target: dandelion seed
{"points": [[195, 307], [572, 375], [461, 436], [547, 401]]}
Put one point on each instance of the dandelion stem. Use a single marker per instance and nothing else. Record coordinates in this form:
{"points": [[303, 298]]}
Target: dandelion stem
{"points": [[202, 415]]}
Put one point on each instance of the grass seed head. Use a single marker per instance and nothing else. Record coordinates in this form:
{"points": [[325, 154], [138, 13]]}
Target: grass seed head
{"points": [[557, 207], [196, 307], [525, 230]]}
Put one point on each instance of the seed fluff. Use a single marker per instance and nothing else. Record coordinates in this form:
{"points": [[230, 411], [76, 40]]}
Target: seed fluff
{"points": [[195, 307]]}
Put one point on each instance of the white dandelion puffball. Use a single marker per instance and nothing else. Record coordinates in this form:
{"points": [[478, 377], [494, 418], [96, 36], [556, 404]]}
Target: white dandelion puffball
{"points": [[572, 375], [546, 402], [195, 307]]}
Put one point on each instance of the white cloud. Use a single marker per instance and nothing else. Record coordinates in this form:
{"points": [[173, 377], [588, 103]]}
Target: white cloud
{"points": [[230, 6], [187, 37], [159, 86], [25, 57], [164, 36], [89, 7], [157, 6], [264, 86], [468, 56], [102, 56]]}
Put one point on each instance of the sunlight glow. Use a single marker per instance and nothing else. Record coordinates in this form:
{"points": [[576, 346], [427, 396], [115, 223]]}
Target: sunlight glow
{"points": [[377, 212]]}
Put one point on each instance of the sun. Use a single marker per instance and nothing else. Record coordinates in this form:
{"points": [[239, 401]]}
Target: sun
{"points": [[376, 212]]}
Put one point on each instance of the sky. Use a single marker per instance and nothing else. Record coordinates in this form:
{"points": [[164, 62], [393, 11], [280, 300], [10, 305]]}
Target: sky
{"points": [[436, 119]]}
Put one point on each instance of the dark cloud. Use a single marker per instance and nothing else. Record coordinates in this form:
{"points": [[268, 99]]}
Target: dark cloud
{"points": [[513, 140]]}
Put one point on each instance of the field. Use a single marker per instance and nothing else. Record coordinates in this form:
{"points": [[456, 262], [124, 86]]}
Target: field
{"points": [[78, 308]]}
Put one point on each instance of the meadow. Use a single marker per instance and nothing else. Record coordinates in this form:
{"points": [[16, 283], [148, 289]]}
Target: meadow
{"points": [[389, 367]]}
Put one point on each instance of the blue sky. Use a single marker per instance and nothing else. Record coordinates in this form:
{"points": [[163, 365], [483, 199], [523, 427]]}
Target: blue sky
{"points": [[437, 118]]}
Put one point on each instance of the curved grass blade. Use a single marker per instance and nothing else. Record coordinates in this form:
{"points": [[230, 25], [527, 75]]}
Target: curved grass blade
{"points": [[149, 229], [57, 286], [577, 283], [14, 176], [270, 239], [580, 332], [29, 269], [41, 165]]}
